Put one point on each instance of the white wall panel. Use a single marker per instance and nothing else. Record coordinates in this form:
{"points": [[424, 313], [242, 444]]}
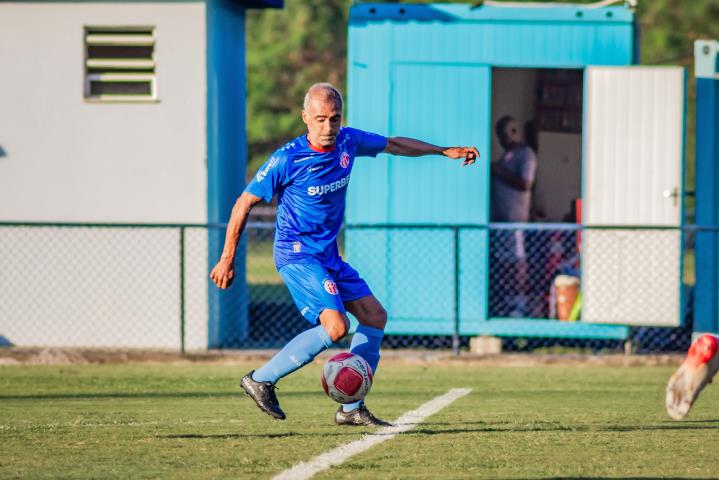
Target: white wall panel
{"points": [[633, 145], [633, 162], [72, 160], [69, 160], [631, 277]]}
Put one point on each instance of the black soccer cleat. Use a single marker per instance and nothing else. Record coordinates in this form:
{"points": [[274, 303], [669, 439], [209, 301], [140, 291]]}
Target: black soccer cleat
{"points": [[263, 393], [360, 417]]}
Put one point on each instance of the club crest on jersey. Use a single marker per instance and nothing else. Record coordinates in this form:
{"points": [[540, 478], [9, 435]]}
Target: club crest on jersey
{"points": [[344, 160], [330, 287]]}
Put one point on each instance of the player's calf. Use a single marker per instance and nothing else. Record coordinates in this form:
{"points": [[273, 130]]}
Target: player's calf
{"points": [[695, 372]]}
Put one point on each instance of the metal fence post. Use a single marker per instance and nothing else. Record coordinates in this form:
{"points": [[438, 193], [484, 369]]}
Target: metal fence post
{"points": [[706, 298], [455, 334], [182, 289]]}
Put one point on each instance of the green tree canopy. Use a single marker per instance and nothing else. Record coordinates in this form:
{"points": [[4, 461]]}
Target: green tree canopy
{"points": [[306, 42]]}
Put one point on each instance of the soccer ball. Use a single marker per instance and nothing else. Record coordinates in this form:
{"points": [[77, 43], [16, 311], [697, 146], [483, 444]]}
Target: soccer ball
{"points": [[346, 378]]}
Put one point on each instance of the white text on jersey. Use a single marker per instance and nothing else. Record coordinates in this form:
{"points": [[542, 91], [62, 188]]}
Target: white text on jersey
{"points": [[330, 187], [263, 173]]}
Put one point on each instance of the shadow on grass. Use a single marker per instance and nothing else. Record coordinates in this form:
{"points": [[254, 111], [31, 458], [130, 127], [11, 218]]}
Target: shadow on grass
{"points": [[614, 478], [226, 436], [429, 432], [716, 420], [562, 428]]}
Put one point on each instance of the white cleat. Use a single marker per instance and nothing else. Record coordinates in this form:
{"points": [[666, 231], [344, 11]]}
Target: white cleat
{"points": [[697, 370]]}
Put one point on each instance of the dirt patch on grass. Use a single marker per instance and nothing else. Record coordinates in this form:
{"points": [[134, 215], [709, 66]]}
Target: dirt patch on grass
{"points": [[80, 356]]}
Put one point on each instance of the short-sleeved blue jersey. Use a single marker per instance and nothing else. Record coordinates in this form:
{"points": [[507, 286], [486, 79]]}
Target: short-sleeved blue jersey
{"points": [[311, 185]]}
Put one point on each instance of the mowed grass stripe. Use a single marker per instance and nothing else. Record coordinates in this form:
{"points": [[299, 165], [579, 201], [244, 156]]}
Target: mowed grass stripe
{"points": [[190, 421], [404, 423]]}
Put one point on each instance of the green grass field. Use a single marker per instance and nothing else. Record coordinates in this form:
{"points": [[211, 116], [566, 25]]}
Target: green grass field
{"points": [[188, 421]]}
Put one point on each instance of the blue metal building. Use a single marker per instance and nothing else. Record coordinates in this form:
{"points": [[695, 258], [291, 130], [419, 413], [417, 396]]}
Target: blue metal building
{"points": [[444, 73]]}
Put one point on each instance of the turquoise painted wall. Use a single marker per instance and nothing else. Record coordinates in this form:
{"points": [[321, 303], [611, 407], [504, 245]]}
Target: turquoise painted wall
{"points": [[424, 71]]}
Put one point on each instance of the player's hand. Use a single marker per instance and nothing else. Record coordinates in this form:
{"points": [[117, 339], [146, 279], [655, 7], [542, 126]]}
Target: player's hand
{"points": [[470, 154], [223, 273]]}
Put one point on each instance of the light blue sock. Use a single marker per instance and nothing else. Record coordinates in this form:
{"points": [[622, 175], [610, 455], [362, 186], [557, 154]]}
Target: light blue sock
{"points": [[365, 343], [300, 351]]}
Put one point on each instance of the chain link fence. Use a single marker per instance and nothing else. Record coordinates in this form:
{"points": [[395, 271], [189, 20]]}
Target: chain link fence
{"points": [[144, 286]]}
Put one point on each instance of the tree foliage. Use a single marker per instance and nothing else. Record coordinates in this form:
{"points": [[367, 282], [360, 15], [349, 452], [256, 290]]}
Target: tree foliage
{"points": [[287, 51], [306, 42]]}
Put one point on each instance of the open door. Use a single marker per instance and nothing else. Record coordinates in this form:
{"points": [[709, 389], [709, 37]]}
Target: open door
{"points": [[633, 161]]}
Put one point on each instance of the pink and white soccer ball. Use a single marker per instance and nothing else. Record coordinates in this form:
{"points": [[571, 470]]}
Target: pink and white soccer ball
{"points": [[346, 378]]}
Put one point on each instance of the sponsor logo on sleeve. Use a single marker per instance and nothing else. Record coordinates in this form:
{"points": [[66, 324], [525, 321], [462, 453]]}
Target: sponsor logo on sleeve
{"points": [[344, 160], [330, 287], [263, 173]]}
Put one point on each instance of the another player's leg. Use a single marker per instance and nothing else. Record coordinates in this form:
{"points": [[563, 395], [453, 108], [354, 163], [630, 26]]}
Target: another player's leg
{"points": [[697, 370], [366, 343], [317, 300]]}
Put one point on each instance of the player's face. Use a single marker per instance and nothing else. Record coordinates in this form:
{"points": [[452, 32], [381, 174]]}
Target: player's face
{"points": [[323, 119], [512, 135]]}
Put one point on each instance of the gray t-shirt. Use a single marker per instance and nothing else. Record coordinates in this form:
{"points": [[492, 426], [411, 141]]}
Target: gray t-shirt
{"points": [[509, 204]]}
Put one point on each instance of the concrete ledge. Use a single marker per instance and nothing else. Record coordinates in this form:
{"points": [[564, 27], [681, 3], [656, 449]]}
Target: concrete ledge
{"points": [[485, 345]]}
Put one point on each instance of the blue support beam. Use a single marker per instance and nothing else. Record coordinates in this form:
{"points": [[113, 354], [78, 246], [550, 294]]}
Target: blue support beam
{"points": [[706, 309], [226, 162]]}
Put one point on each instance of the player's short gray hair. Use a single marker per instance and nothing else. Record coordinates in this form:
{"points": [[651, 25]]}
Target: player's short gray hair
{"points": [[328, 92]]}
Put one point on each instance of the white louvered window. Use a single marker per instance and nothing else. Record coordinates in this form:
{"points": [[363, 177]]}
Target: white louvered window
{"points": [[120, 64]]}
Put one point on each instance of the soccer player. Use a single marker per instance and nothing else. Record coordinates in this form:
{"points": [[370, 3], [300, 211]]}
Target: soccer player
{"points": [[697, 370], [310, 175]]}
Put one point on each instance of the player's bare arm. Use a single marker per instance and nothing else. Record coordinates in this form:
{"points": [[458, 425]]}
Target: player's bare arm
{"points": [[224, 272], [410, 147]]}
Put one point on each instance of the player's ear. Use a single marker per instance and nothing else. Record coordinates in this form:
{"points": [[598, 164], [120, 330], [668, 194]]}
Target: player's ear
{"points": [[305, 117]]}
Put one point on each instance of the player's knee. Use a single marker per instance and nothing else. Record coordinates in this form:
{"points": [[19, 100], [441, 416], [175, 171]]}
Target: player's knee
{"points": [[339, 329], [336, 324], [381, 318], [377, 318]]}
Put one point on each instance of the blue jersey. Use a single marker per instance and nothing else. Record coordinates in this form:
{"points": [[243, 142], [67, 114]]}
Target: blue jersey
{"points": [[311, 185]]}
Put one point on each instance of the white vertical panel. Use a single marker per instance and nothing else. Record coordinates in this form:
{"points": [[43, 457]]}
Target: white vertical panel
{"points": [[633, 160], [633, 145], [631, 277]]}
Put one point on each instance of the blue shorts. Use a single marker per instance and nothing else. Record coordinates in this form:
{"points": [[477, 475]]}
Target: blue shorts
{"points": [[315, 287]]}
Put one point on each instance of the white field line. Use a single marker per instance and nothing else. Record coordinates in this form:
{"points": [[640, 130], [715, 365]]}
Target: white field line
{"points": [[404, 423]]}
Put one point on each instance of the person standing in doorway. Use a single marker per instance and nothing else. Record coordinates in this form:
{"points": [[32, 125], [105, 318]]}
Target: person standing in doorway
{"points": [[512, 179]]}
